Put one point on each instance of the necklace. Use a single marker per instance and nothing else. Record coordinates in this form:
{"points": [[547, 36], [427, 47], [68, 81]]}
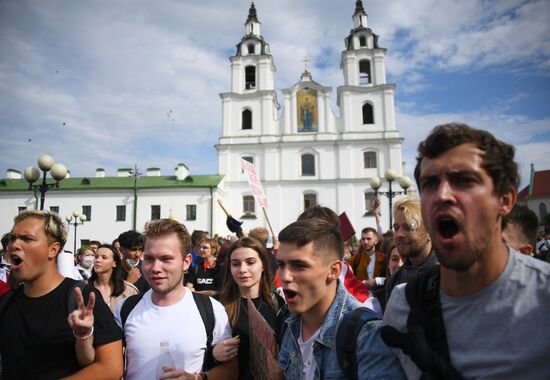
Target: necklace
{"points": [[107, 297], [245, 308]]}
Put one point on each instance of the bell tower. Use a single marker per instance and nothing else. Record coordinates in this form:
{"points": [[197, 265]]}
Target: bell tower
{"points": [[366, 99], [249, 110]]}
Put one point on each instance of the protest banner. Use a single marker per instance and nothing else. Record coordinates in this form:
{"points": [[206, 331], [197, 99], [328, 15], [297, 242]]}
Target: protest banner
{"points": [[256, 189], [262, 344], [254, 182]]}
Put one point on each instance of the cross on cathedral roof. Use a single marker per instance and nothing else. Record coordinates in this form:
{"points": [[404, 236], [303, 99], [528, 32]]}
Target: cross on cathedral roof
{"points": [[359, 7], [252, 15], [306, 61]]}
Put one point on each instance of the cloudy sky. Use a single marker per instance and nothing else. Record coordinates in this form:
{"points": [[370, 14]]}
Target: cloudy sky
{"points": [[116, 83]]}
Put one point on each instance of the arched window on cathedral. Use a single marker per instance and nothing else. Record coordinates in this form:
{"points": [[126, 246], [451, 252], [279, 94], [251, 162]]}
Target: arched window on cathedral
{"points": [[249, 159], [369, 160], [310, 200], [246, 119], [368, 114], [362, 41], [250, 77], [250, 48], [369, 199], [364, 71], [248, 205], [308, 164]]}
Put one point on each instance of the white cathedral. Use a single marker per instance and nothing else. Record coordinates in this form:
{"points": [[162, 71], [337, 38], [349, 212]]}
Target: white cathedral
{"points": [[304, 154]]}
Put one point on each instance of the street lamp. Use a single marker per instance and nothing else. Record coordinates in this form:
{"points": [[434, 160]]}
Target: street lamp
{"points": [[77, 217], [46, 164], [390, 176], [135, 173]]}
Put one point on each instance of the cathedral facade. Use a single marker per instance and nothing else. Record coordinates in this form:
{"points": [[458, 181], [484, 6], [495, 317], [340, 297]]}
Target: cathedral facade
{"points": [[305, 154]]}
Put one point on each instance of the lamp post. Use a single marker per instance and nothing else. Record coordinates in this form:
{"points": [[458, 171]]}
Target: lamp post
{"points": [[135, 173], [77, 218], [46, 164], [390, 176]]}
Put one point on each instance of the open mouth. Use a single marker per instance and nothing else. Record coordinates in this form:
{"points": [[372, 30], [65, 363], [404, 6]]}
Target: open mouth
{"points": [[15, 261], [447, 228], [289, 294]]}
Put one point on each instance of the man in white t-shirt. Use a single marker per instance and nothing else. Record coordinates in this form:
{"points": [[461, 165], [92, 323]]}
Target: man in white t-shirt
{"points": [[168, 312], [463, 319]]}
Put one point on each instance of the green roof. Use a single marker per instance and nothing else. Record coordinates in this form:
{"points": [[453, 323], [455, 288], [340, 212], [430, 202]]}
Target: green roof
{"points": [[114, 183]]}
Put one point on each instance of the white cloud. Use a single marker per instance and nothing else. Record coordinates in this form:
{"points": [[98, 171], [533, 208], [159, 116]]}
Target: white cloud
{"points": [[516, 130], [112, 71]]}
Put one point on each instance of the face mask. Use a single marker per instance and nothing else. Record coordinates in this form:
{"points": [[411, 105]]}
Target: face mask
{"points": [[132, 262], [87, 262]]}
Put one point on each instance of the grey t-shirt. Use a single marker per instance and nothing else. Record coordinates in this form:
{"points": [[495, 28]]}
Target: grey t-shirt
{"points": [[501, 332]]}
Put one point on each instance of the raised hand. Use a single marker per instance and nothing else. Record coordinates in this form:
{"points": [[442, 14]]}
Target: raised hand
{"points": [[81, 320], [375, 205], [133, 275]]}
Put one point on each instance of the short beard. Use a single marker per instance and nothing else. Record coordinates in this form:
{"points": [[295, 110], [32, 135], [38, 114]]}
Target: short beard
{"points": [[466, 261], [410, 254], [461, 265]]}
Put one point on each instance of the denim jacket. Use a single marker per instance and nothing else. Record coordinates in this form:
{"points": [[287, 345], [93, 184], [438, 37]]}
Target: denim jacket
{"points": [[374, 359]]}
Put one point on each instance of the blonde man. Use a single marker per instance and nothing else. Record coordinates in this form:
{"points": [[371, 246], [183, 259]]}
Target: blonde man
{"points": [[40, 336], [412, 241]]}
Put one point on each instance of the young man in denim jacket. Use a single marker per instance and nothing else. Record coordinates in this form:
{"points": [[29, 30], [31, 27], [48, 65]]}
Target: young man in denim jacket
{"points": [[309, 262]]}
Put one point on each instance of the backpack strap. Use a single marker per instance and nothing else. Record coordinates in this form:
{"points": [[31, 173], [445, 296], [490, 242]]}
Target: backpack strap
{"points": [[346, 339], [128, 305], [428, 346], [204, 304]]}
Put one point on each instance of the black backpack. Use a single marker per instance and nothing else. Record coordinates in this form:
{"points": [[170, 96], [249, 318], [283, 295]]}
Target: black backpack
{"points": [[207, 314], [346, 336], [426, 339]]}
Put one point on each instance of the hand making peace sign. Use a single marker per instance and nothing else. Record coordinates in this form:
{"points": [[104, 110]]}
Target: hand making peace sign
{"points": [[81, 320]]}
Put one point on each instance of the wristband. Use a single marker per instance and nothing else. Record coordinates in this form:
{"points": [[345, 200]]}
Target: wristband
{"points": [[83, 338]]}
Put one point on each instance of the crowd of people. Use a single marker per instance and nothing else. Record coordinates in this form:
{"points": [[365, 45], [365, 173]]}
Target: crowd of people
{"points": [[460, 276]]}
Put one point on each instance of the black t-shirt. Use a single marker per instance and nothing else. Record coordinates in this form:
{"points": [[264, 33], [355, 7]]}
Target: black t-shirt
{"points": [[242, 329], [205, 278], [36, 341]]}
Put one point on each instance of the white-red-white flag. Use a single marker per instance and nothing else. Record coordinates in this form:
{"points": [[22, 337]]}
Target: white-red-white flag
{"points": [[254, 182]]}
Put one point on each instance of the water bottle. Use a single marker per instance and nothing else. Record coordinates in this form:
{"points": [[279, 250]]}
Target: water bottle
{"points": [[165, 358]]}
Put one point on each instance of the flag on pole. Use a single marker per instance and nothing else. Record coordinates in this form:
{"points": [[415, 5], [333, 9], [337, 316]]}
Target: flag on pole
{"points": [[254, 182]]}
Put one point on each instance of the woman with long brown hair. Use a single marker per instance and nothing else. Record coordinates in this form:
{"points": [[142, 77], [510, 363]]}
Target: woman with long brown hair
{"points": [[246, 276], [107, 276]]}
